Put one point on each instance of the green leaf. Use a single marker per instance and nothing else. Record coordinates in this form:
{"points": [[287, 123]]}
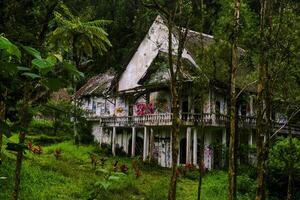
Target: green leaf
{"points": [[41, 63], [4, 43], [72, 69], [20, 68], [114, 178], [31, 75], [9, 47], [51, 59], [35, 53], [58, 57], [13, 50], [103, 171]]}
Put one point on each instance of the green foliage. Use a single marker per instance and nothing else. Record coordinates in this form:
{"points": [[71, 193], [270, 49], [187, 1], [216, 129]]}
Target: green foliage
{"points": [[284, 157], [75, 33]]}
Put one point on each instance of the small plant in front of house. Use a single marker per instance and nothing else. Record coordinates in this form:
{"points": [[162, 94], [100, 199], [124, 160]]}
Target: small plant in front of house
{"points": [[115, 165], [109, 178], [137, 171], [30, 145], [189, 167], [93, 160], [57, 153], [124, 169], [102, 162], [34, 149], [37, 150]]}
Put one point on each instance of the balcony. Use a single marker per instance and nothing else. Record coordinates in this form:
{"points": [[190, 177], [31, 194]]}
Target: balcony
{"points": [[187, 119], [165, 119]]}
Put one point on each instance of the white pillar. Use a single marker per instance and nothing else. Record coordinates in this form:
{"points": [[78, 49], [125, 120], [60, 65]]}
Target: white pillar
{"points": [[224, 136], [188, 144], [145, 147], [133, 142], [250, 139], [101, 135], [224, 147], [195, 143], [251, 106], [113, 143]]}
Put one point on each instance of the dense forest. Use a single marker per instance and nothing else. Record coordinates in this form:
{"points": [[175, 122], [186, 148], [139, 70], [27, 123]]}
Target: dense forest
{"points": [[49, 49]]}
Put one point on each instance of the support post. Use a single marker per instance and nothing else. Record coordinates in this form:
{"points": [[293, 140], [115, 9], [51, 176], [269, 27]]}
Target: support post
{"points": [[250, 143], [195, 145], [133, 142], [188, 145], [224, 142], [113, 143], [145, 147], [101, 135]]}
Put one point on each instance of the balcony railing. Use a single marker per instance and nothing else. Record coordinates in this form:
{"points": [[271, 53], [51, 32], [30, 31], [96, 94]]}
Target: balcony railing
{"points": [[165, 119], [187, 119]]}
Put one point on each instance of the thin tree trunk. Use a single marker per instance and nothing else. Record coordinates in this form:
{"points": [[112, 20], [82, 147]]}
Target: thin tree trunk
{"points": [[25, 119], [232, 137], [175, 107], [2, 119], [201, 156], [263, 102], [290, 178], [17, 180]]}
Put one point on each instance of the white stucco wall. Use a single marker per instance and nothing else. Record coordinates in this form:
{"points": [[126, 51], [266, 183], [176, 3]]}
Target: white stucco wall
{"points": [[156, 40]]}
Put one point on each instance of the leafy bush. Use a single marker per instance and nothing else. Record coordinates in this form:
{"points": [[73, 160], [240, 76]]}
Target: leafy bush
{"points": [[120, 151], [246, 187], [46, 139], [282, 158], [41, 126], [105, 149]]}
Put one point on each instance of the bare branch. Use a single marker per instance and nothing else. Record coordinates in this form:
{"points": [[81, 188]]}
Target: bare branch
{"points": [[284, 125], [245, 87]]}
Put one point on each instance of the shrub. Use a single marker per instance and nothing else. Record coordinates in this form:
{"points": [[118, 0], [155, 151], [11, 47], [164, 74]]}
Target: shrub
{"points": [[120, 151], [57, 153], [246, 186], [105, 149], [282, 158]]}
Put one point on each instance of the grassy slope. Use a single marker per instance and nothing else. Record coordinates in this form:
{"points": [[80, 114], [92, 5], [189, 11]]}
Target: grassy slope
{"points": [[72, 177]]}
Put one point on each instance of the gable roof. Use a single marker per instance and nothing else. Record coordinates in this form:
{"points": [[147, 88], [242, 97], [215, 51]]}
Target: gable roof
{"points": [[156, 41], [99, 85]]}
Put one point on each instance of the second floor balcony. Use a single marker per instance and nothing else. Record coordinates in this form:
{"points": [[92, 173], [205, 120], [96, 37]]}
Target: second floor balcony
{"points": [[187, 119]]}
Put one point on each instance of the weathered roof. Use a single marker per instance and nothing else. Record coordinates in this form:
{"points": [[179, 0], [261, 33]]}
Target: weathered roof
{"points": [[156, 41], [98, 85], [159, 73]]}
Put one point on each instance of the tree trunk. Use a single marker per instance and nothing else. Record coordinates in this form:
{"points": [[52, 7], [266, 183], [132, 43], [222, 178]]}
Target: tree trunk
{"points": [[290, 178], [175, 107], [24, 121], [232, 137], [201, 156], [17, 180], [2, 119], [263, 97]]}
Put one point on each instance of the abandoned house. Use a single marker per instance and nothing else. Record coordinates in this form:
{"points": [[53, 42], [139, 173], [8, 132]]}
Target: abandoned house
{"points": [[129, 110]]}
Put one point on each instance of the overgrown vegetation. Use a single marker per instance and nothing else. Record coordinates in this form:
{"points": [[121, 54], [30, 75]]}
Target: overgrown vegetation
{"points": [[72, 176]]}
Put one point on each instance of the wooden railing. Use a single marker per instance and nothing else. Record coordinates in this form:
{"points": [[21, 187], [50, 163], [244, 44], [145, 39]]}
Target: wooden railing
{"points": [[165, 119], [187, 119]]}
